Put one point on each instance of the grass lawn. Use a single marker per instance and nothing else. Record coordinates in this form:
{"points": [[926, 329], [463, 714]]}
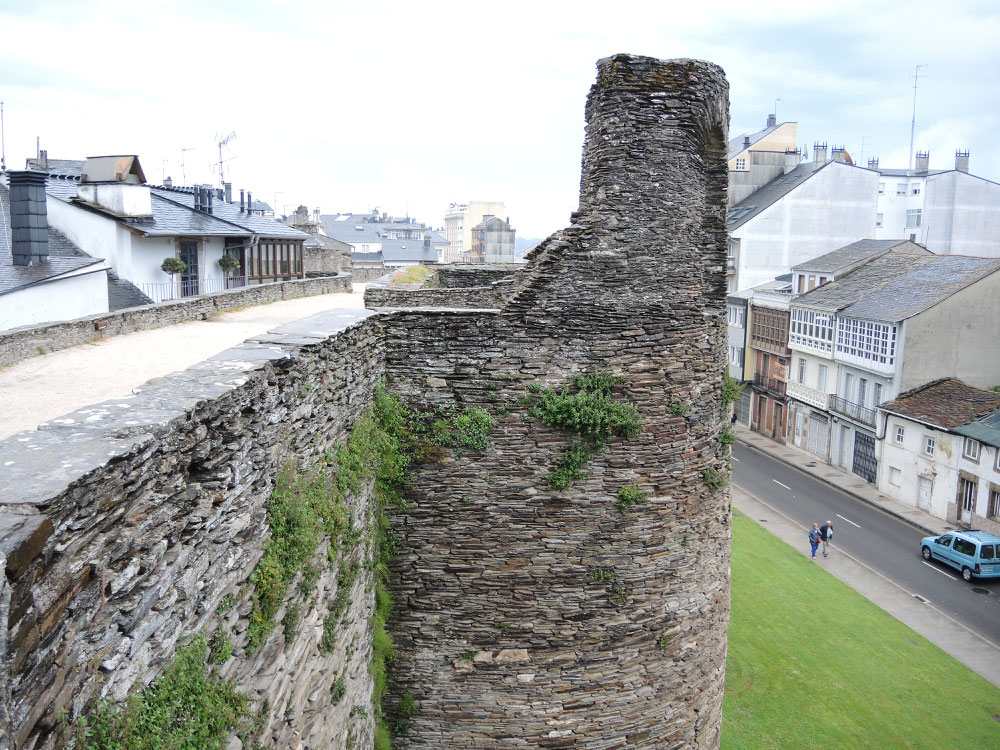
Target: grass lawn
{"points": [[812, 663]]}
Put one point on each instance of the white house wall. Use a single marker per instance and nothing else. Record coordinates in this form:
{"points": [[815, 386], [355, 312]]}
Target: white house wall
{"points": [[911, 463], [962, 215], [96, 235], [66, 298], [833, 208], [959, 337]]}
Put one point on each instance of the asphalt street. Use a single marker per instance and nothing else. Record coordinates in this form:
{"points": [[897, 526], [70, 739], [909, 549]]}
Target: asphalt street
{"points": [[883, 542]]}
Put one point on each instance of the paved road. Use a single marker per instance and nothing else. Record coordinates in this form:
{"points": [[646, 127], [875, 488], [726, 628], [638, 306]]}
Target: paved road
{"points": [[886, 544]]}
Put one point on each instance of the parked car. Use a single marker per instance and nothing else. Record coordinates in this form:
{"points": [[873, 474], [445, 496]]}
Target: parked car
{"points": [[974, 553]]}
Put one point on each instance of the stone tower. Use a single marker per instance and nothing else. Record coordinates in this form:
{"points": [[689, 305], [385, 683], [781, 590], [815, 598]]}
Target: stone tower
{"points": [[527, 615]]}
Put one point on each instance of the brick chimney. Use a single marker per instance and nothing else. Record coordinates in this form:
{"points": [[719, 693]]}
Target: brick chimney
{"points": [[962, 161], [28, 220], [923, 161]]}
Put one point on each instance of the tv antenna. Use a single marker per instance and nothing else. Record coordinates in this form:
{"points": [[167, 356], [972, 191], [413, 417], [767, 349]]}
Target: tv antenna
{"points": [[183, 173], [913, 123], [224, 142]]}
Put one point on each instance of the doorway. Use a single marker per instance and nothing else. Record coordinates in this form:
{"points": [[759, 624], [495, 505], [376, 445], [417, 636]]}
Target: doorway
{"points": [[189, 278]]}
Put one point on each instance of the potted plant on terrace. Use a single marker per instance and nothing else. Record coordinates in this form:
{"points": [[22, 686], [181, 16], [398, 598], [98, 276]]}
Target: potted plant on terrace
{"points": [[173, 266], [228, 264]]}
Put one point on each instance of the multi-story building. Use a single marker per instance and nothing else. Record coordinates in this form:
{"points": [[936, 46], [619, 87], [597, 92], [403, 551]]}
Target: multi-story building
{"points": [[768, 341], [947, 210], [888, 326], [757, 158], [492, 241], [458, 224], [941, 452]]}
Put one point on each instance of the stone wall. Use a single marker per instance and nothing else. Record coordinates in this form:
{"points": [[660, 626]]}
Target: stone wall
{"points": [[126, 524], [460, 275], [31, 341], [553, 618]]}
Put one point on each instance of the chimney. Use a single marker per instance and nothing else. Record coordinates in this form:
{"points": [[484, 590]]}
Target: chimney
{"points": [[923, 160], [207, 205], [873, 163], [838, 154], [197, 198], [249, 202], [28, 221], [42, 162], [316, 217], [962, 161], [227, 191], [746, 141], [792, 159], [819, 153], [772, 120], [301, 216], [167, 182], [241, 200]]}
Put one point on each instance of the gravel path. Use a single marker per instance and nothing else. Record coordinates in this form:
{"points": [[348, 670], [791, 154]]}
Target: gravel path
{"points": [[42, 388]]}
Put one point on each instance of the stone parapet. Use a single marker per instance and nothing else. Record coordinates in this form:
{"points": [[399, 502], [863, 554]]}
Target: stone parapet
{"points": [[22, 343]]}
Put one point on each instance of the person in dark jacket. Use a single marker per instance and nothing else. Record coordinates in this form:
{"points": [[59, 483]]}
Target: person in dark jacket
{"points": [[814, 539], [825, 535]]}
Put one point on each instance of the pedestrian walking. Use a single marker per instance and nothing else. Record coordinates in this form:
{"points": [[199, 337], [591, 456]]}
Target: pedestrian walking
{"points": [[826, 534], [814, 539]]}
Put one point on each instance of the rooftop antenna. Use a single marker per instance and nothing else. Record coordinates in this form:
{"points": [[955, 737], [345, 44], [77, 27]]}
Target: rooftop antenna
{"points": [[183, 173], [224, 142], [913, 123], [3, 147], [776, 111], [861, 159]]}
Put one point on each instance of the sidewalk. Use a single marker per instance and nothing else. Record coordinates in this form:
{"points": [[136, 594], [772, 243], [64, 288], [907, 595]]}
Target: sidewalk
{"points": [[971, 649], [842, 480]]}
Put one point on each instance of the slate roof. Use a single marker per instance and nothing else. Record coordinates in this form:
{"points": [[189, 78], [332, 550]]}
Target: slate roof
{"points": [[772, 192], [850, 256], [897, 286], [73, 167], [123, 294], [64, 256], [947, 403], [344, 227], [738, 144], [174, 214]]}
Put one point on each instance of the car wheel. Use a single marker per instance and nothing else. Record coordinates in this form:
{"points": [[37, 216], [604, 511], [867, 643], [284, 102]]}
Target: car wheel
{"points": [[966, 574], [926, 552]]}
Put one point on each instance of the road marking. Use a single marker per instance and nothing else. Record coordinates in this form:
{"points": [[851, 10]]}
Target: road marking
{"points": [[935, 567], [782, 485], [736, 459], [849, 521]]}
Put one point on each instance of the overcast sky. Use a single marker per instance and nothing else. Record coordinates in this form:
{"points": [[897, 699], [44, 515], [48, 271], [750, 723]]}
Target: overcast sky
{"points": [[409, 106]]}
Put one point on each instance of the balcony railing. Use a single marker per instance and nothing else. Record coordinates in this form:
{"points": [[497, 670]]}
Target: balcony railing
{"points": [[807, 395], [851, 410], [191, 288], [730, 262], [777, 387]]}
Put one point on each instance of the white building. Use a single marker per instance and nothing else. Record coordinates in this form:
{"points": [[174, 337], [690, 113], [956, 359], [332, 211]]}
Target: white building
{"points": [[459, 222], [947, 210], [941, 452], [890, 325], [757, 158], [394, 242]]}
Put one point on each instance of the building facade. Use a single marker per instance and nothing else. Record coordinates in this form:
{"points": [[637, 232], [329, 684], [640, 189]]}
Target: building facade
{"points": [[459, 221]]}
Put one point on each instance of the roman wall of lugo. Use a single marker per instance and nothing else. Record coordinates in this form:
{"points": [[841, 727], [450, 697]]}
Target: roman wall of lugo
{"points": [[556, 553]]}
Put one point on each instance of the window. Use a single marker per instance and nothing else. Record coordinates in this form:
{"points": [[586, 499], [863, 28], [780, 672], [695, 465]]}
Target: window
{"points": [[965, 547], [900, 188], [878, 221], [736, 355], [867, 341], [898, 440], [970, 449], [988, 552], [848, 386], [994, 509], [996, 460], [877, 397], [862, 390], [928, 445], [821, 379], [811, 329], [895, 476], [737, 316], [915, 190], [802, 371], [881, 188], [741, 164], [912, 218]]}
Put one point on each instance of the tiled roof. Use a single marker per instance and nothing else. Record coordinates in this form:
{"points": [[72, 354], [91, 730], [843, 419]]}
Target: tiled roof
{"points": [[64, 256], [946, 404], [771, 193], [849, 256]]}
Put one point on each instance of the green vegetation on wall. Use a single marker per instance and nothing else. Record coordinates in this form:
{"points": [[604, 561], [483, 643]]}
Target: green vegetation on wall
{"points": [[586, 411], [189, 706]]}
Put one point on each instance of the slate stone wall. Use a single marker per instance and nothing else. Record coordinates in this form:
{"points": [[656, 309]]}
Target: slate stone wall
{"points": [[552, 618], [126, 525], [460, 275], [32, 341]]}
